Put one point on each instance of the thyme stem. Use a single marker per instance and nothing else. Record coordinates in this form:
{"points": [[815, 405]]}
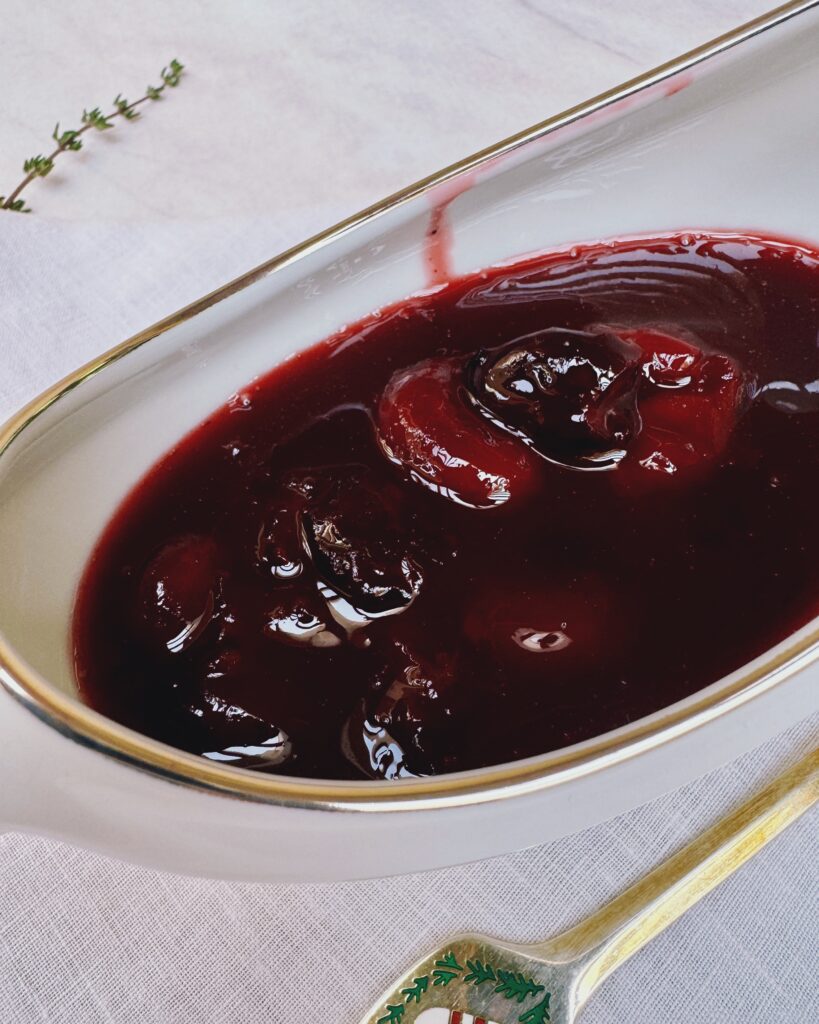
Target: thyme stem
{"points": [[39, 166]]}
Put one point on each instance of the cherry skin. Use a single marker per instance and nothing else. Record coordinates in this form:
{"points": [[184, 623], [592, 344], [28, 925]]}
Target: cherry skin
{"points": [[690, 402], [403, 728], [279, 548], [228, 734], [177, 592], [299, 617], [569, 395], [426, 427], [351, 526]]}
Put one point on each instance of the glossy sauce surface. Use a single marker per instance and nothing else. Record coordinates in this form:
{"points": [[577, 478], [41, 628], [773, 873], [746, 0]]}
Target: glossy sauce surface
{"points": [[485, 523]]}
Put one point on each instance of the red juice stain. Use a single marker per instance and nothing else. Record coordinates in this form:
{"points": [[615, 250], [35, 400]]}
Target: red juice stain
{"points": [[438, 239], [438, 247], [679, 82]]}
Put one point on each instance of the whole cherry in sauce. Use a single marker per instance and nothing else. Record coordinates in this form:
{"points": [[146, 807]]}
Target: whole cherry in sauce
{"points": [[426, 426], [539, 503], [570, 395], [177, 592], [690, 402]]}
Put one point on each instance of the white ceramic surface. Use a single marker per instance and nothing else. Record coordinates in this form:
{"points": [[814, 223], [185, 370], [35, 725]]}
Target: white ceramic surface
{"points": [[729, 144]]}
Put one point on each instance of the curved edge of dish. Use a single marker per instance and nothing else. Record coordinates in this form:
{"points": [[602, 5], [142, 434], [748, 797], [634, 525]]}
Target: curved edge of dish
{"points": [[89, 728]]}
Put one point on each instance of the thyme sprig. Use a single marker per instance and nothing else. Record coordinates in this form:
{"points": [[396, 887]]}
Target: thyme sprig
{"points": [[70, 140]]}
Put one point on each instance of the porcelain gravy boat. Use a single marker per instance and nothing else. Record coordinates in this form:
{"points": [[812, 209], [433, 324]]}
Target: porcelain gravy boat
{"points": [[724, 138]]}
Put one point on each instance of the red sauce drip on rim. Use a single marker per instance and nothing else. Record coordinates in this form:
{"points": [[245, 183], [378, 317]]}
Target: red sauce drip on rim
{"points": [[546, 500], [438, 239]]}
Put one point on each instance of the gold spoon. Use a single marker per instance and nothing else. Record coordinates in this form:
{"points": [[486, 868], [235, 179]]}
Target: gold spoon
{"points": [[477, 980]]}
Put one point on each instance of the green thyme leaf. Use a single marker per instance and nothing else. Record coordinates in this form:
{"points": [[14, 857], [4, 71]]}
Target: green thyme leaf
{"points": [[70, 140]]}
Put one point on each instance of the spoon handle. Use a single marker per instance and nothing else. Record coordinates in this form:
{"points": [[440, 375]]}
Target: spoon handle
{"points": [[607, 939]]}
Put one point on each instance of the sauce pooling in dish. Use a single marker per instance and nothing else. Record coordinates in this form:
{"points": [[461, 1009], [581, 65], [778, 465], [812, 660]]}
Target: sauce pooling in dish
{"points": [[482, 524]]}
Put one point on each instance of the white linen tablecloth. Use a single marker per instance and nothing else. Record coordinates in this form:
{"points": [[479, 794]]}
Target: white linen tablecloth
{"points": [[293, 115]]}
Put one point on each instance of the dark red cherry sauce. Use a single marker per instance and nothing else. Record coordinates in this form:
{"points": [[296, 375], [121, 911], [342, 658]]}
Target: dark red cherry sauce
{"points": [[479, 525]]}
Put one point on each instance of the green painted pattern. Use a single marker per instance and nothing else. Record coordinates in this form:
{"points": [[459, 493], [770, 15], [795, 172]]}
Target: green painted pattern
{"points": [[511, 985], [539, 1013]]}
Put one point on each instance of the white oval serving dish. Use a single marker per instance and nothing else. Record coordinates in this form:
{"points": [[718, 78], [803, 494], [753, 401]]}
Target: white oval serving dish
{"points": [[724, 138]]}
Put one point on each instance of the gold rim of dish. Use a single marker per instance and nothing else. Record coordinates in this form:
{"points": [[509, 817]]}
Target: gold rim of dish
{"points": [[88, 727]]}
